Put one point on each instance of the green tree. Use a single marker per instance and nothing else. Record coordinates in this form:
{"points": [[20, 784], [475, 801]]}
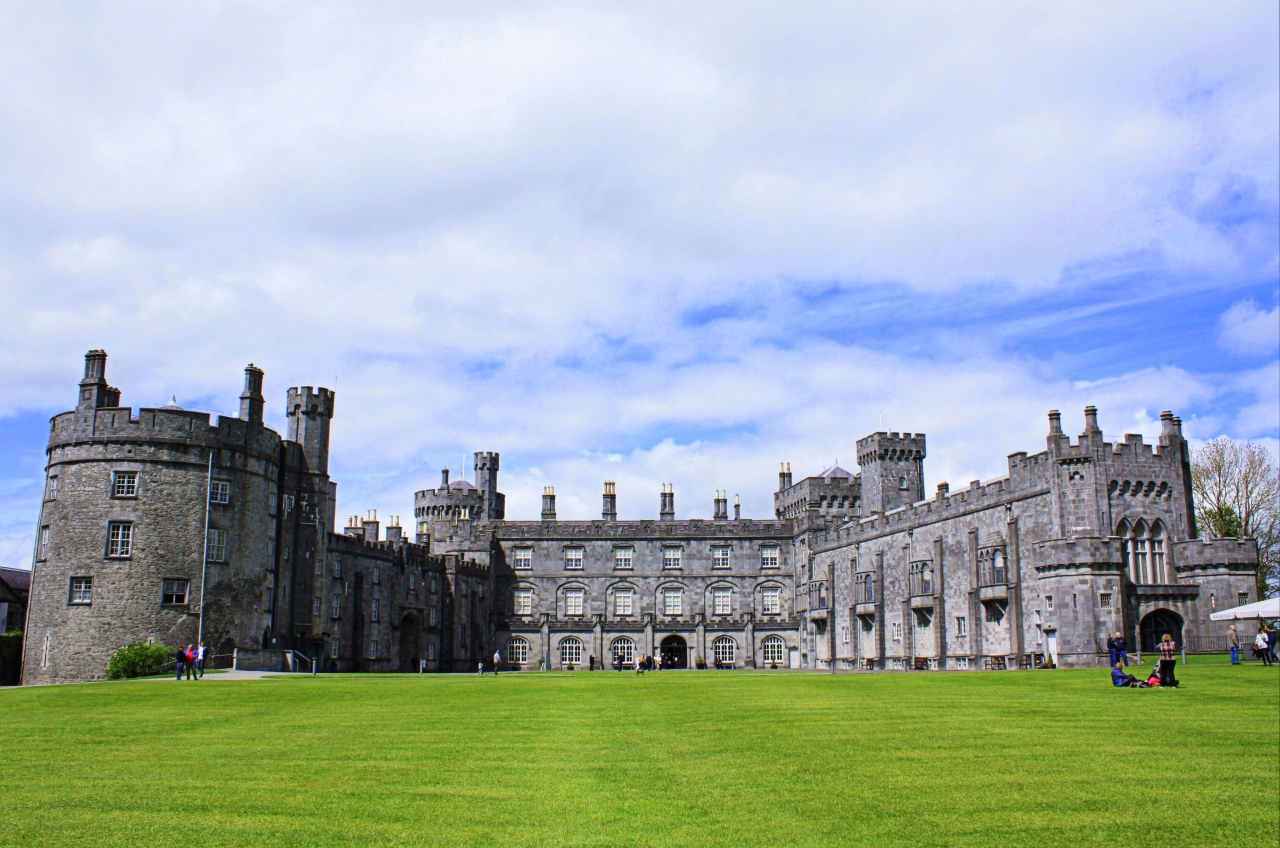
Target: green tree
{"points": [[1237, 495]]}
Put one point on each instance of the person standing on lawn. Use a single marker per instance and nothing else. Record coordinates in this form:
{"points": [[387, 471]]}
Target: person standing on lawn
{"points": [[497, 658], [1122, 648], [1271, 642], [1168, 659], [191, 662], [1260, 647], [1112, 649], [200, 660], [181, 656], [1233, 639]]}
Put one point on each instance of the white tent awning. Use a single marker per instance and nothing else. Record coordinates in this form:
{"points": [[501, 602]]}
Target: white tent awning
{"points": [[1264, 609]]}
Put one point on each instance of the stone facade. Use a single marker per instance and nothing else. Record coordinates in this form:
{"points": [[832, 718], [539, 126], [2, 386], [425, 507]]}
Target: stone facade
{"points": [[164, 526]]}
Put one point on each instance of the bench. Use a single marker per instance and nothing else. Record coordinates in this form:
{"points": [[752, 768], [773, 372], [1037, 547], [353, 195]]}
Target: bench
{"points": [[994, 664], [870, 663], [920, 663]]}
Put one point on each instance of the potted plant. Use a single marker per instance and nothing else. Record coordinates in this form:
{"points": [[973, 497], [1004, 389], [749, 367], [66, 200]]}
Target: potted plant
{"points": [[773, 664], [700, 663], [570, 666]]}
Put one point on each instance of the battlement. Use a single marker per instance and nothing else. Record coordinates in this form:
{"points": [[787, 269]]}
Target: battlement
{"points": [[693, 528], [892, 446], [163, 426]]}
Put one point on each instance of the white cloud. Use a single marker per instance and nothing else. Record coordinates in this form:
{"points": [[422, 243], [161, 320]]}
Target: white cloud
{"points": [[1248, 329]]}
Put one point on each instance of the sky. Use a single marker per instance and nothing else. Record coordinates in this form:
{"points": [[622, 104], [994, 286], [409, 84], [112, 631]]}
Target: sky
{"points": [[649, 243]]}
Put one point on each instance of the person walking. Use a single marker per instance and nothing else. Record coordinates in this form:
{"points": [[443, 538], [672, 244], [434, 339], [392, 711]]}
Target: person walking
{"points": [[1112, 651], [1122, 648], [1233, 639], [497, 658], [1271, 642], [200, 652], [1168, 659], [181, 656], [1260, 647], [191, 662], [480, 667]]}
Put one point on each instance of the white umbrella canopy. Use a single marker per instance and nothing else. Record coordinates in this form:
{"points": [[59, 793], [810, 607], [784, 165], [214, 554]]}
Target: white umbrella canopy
{"points": [[1264, 609]]}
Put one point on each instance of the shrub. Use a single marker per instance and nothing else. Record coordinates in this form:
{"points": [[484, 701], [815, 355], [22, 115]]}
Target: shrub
{"points": [[138, 660]]}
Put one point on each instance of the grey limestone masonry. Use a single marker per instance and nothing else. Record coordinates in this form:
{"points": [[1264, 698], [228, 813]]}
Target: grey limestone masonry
{"points": [[161, 525]]}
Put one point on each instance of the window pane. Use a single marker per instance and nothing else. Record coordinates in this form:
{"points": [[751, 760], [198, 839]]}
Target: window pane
{"points": [[769, 557], [523, 558], [771, 600], [622, 558], [622, 602]]}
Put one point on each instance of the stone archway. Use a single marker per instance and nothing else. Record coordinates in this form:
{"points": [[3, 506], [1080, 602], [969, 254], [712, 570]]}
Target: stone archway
{"points": [[675, 652], [409, 643], [1154, 625]]}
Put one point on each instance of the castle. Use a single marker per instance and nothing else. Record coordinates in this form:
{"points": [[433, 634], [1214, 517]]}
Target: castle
{"points": [[166, 526]]}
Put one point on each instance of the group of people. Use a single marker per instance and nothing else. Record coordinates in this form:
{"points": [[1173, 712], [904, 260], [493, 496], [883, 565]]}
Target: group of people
{"points": [[1161, 675], [190, 660], [1118, 647], [1264, 645]]}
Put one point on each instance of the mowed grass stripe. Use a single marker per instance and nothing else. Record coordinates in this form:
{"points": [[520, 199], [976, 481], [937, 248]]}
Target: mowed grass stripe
{"points": [[673, 758]]}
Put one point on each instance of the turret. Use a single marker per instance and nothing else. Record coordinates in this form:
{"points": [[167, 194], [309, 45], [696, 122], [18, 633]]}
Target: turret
{"points": [[610, 510], [892, 470], [495, 503], [251, 400], [310, 411]]}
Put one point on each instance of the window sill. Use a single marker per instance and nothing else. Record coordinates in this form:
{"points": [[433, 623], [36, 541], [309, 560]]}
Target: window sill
{"points": [[124, 497], [129, 556]]}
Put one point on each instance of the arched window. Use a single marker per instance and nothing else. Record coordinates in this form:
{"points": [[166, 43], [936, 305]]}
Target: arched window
{"points": [[1139, 562], [571, 651], [724, 649], [772, 649], [518, 650], [1158, 571], [902, 482], [623, 650]]}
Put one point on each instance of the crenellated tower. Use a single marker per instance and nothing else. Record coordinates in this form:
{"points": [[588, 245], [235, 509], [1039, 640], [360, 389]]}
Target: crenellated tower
{"points": [[892, 470]]}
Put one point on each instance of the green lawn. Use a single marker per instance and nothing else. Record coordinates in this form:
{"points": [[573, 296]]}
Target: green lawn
{"points": [[1039, 758]]}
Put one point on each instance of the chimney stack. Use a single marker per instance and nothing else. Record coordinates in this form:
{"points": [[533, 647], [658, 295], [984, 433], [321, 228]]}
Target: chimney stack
{"points": [[737, 509], [943, 490], [251, 400], [1091, 419], [610, 511], [371, 525], [721, 506], [444, 479], [784, 476], [1055, 423], [548, 503], [667, 503]]}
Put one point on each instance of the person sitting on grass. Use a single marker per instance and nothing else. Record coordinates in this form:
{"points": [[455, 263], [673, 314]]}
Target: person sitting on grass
{"points": [[1120, 678], [1154, 680]]}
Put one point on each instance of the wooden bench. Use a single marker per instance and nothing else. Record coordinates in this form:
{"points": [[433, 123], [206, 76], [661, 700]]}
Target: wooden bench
{"points": [[994, 664], [870, 663], [920, 663]]}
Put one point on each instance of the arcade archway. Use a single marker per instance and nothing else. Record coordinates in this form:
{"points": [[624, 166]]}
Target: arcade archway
{"points": [[1154, 625], [675, 652]]}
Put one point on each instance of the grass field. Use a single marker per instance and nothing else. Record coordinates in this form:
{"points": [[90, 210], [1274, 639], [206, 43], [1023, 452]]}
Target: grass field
{"points": [[1042, 758]]}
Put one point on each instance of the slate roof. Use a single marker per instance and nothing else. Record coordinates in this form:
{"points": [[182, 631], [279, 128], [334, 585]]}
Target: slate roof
{"points": [[18, 579]]}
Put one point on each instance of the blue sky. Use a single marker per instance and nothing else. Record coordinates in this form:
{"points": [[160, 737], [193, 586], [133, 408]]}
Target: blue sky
{"points": [[676, 243]]}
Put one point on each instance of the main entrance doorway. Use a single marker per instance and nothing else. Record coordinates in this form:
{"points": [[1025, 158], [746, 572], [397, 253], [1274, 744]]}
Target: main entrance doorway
{"points": [[409, 643], [1154, 625], [675, 652]]}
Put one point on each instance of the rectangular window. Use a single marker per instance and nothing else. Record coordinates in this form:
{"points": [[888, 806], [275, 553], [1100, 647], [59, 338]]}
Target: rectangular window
{"points": [[373, 649], [573, 601], [336, 612], [217, 545], [413, 582], [51, 489], [772, 602], [431, 650], [42, 547], [1242, 598], [897, 631], [81, 590], [622, 602], [671, 557], [377, 575], [673, 601], [124, 484], [174, 591], [1048, 602], [524, 602], [844, 635], [288, 503], [220, 492], [431, 616], [622, 558], [286, 553], [769, 556], [333, 649], [376, 610], [271, 503], [337, 569], [573, 559], [271, 600], [523, 559], [119, 539], [315, 607], [721, 600], [435, 585], [962, 626], [1105, 600], [720, 557]]}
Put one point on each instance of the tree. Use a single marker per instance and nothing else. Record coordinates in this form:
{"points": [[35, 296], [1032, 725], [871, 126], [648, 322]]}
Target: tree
{"points": [[1237, 495]]}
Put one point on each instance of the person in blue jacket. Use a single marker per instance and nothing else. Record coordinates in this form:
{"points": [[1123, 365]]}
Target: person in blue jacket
{"points": [[1120, 678]]}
